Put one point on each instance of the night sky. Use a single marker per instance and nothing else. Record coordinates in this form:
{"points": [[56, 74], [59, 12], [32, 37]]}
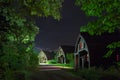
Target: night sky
{"points": [[54, 33]]}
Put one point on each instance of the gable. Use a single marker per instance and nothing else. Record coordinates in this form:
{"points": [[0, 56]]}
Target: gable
{"points": [[60, 52], [42, 54]]}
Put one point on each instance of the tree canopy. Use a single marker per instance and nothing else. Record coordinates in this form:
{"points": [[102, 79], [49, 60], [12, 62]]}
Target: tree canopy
{"points": [[18, 31], [107, 13]]}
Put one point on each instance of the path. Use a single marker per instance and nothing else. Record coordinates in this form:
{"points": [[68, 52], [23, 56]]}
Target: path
{"points": [[49, 72]]}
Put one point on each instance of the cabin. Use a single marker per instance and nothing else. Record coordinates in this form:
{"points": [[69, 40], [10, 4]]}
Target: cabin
{"points": [[62, 53], [44, 56], [89, 50], [50, 54]]}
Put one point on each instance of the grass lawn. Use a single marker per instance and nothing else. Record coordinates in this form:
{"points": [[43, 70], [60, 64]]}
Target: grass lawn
{"points": [[52, 62]]}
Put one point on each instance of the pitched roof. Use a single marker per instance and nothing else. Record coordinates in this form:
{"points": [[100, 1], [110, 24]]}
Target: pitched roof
{"points": [[50, 55], [104, 38], [97, 46], [99, 43], [67, 49]]}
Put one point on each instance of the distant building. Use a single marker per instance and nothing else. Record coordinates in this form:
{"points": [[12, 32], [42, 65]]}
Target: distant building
{"points": [[44, 56], [89, 50], [62, 53], [50, 54]]}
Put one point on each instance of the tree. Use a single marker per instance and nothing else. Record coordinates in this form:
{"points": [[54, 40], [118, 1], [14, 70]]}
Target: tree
{"points": [[107, 14], [17, 33]]}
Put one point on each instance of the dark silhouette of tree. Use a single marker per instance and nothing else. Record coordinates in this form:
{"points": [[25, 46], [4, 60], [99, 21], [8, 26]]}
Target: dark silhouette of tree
{"points": [[17, 33]]}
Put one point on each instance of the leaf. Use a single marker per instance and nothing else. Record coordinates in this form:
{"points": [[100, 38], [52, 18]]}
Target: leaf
{"points": [[108, 54]]}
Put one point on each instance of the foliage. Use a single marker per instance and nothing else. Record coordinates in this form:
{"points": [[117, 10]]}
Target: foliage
{"points": [[17, 33], [98, 74], [90, 74], [107, 13], [40, 8], [112, 48], [107, 18], [52, 61], [70, 59]]}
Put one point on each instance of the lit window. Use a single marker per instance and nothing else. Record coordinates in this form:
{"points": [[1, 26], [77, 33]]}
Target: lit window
{"points": [[80, 45], [117, 57]]}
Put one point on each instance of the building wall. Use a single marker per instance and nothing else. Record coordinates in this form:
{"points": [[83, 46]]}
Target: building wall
{"points": [[97, 49], [42, 57]]}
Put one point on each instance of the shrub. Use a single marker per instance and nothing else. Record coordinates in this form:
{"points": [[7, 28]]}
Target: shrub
{"points": [[98, 74], [52, 62], [90, 74]]}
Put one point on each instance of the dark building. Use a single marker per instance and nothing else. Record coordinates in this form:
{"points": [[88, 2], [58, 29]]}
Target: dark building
{"points": [[95, 48], [50, 55]]}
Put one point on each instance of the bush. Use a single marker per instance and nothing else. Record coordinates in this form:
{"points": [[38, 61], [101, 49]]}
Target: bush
{"points": [[98, 74], [90, 74], [16, 61], [111, 74], [52, 62]]}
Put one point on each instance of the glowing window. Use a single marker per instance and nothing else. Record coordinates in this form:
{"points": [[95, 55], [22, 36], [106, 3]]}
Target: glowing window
{"points": [[117, 57], [80, 45]]}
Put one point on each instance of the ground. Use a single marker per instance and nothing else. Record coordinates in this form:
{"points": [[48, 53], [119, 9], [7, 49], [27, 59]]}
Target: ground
{"points": [[50, 72]]}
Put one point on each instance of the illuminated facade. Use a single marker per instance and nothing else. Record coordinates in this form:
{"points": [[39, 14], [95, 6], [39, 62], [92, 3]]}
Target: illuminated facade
{"points": [[62, 53], [42, 57], [81, 55], [90, 50]]}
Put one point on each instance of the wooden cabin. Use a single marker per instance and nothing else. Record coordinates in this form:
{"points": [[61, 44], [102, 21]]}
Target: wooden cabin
{"points": [[44, 56], [89, 50], [81, 55], [62, 53]]}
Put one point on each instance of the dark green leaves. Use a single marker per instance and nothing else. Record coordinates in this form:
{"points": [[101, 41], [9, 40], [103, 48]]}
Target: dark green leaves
{"points": [[18, 31], [107, 13], [108, 18], [112, 48], [44, 7]]}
